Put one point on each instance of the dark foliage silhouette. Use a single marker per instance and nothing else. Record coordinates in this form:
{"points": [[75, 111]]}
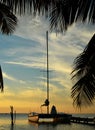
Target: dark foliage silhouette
{"points": [[61, 14], [83, 91], [8, 20]]}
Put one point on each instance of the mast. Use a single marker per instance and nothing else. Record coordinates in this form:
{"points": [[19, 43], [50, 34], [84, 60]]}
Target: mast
{"points": [[47, 72]]}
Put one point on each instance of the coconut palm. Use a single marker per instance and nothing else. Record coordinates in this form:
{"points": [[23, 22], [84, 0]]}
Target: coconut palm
{"points": [[1, 80], [83, 91], [62, 14], [8, 20]]}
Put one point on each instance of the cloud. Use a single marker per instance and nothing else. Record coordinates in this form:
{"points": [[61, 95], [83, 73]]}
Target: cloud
{"points": [[26, 64], [6, 76], [9, 77], [32, 27], [23, 55]]}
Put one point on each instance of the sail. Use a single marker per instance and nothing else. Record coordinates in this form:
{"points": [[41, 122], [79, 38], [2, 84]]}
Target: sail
{"points": [[1, 80]]}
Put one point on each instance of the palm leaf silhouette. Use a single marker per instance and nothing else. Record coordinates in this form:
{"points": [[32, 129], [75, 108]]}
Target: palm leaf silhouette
{"points": [[83, 74], [1, 80], [8, 20], [61, 13]]}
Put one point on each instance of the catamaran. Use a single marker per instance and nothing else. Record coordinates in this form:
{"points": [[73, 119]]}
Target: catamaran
{"points": [[52, 117]]}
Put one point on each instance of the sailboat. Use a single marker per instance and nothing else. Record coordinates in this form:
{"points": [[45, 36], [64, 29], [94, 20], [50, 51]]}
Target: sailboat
{"points": [[52, 117]]}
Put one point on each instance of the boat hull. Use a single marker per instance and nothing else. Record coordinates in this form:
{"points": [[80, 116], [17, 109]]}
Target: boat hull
{"points": [[50, 118], [33, 117]]}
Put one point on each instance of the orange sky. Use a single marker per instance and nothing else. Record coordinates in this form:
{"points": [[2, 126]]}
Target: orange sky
{"points": [[22, 61]]}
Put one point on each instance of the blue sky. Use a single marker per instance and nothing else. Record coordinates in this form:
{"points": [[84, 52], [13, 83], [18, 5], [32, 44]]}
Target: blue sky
{"points": [[23, 61]]}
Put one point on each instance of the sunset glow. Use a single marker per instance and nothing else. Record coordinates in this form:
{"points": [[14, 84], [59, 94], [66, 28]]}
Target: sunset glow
{"points": [[23, 62]]}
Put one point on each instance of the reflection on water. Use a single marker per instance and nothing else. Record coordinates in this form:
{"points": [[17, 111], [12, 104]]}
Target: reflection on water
{"points": [[33, 124], [22, 123], [48, 126], [12, 127]]}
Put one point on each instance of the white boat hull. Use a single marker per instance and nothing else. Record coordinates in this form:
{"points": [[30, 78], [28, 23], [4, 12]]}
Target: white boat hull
{"points": [[33, 117]]}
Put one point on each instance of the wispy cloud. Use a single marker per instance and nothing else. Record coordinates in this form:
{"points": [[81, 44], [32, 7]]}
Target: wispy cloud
{"points": [[26, 64], [9, 77], [12, 78], [23, 55]]}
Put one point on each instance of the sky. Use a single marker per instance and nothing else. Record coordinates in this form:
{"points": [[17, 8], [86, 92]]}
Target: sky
{"points": [[23, 62]]}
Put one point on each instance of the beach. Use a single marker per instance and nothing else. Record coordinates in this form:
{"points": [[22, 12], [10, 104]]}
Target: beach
{"points": [[21, 123]]}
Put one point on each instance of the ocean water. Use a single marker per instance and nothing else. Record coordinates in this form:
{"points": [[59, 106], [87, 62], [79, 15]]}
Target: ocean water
{"points": [[21, 123]]}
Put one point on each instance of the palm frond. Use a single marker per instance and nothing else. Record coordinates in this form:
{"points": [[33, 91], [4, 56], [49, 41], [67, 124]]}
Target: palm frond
{"points": [[8, 20], [83, 92], [1, 80], [83, 74], [61, 13], [66, 12]]}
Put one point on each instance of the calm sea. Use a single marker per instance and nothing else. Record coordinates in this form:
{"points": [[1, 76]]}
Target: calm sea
{"points": [[22, 123]]}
